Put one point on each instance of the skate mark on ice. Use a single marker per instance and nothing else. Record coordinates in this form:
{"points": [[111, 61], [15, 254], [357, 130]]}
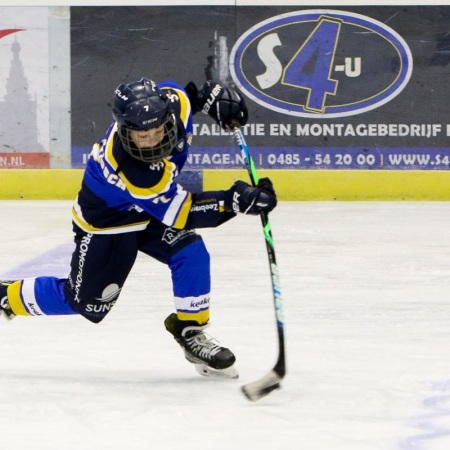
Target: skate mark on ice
{"points": [[431, 424], [54, 262]]}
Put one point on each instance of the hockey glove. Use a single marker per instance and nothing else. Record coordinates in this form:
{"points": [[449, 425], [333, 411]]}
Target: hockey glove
{"points": [[243, 198], [222, 103]]}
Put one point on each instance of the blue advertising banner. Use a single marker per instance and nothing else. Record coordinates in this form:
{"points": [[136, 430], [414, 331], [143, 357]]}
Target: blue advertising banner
{"points": [[294, 158], [320, 158]]}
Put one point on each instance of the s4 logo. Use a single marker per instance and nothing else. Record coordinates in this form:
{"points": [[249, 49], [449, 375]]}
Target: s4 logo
{"points": [[322, 63]]}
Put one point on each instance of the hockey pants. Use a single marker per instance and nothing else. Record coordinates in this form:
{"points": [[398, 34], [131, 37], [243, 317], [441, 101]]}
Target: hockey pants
{"points": [[100, 265]]}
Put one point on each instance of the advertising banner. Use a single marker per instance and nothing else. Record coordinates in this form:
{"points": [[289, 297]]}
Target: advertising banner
{"points": [[354, 87], [24, 88]]}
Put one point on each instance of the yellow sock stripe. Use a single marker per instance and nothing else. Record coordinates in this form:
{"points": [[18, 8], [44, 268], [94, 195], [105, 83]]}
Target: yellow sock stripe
{"points": [[201, 317], [15, 299]]}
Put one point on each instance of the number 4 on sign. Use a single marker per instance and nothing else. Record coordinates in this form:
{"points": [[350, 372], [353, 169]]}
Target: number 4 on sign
{"points": [[311, 66]]}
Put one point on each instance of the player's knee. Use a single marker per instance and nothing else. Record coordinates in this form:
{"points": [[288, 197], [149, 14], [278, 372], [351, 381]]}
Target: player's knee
{"points": [[195, 256], [200, 255], [91, 306]]}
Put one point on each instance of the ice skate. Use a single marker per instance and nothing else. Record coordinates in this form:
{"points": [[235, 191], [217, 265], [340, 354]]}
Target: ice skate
{"points": [[4, 305], [208, 356]]}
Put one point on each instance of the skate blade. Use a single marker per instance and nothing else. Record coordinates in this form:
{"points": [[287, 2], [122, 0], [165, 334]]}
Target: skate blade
{"points": [[206, 371], [7, 317]]}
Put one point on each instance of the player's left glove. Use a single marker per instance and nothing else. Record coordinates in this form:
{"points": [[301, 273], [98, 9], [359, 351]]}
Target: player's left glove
{"points": [[222, 103], [246, 199]]}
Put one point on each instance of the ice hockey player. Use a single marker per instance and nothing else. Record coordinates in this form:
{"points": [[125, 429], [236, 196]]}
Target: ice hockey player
{"points": [[130, 202]]}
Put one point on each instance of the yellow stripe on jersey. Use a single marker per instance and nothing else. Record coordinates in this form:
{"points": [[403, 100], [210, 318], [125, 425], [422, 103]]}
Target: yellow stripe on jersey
{"points": [[146, 192], [184, 212], [15, 299], [185, 105], [78, 219]]}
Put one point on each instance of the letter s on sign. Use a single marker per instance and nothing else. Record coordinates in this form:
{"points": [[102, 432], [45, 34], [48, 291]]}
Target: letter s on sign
{"points": [[274, 69]]}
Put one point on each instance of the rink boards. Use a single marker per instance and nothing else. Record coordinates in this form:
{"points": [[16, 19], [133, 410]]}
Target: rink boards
{"points": [[326, 185]]}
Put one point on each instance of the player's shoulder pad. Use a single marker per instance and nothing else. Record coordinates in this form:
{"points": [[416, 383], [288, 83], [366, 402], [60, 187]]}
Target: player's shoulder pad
{"points": [[179, 99]]}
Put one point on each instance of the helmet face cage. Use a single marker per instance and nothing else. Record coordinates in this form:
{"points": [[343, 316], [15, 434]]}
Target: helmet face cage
{"points": [[157, 153], [140, 106]]}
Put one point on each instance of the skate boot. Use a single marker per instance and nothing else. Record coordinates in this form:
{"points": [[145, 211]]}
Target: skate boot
{"points": [[4, 305], [209, 358]]}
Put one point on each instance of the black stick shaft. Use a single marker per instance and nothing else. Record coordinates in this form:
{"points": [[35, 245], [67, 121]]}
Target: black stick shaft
{"points": [[280, 366]]}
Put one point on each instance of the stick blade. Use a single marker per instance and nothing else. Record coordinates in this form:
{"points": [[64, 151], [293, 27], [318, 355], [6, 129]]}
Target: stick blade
{"points": [[262, 387]]}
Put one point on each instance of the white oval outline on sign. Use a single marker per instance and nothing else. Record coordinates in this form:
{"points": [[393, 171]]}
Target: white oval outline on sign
{"points": [[325, 115]]}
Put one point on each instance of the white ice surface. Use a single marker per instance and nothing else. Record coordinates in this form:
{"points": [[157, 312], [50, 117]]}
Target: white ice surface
{"points": [[366, 290]]}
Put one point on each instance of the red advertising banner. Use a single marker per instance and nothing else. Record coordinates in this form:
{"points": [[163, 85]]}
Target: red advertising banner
{"points": [[38, 160]]}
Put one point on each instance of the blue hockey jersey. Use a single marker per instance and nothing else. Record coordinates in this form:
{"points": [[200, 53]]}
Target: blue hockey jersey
{"points": [[121, 194]]}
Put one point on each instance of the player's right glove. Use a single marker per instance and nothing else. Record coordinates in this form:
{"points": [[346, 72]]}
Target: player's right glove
{"points": [[221, 102], [246, 199]]}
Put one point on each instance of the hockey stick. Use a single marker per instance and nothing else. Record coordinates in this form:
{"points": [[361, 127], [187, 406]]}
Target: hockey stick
{"points": [[271, 381]]}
